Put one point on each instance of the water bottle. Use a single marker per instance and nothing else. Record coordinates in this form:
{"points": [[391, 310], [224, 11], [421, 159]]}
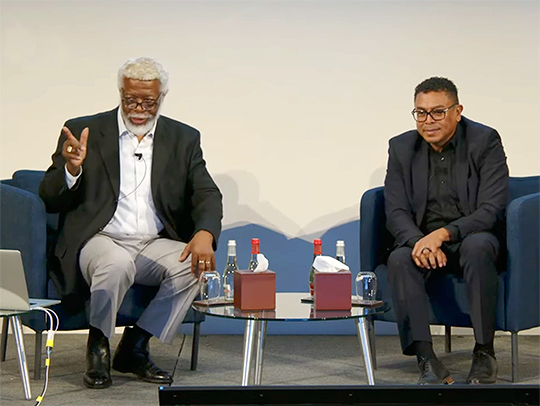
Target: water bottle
{"points": [[340, 251], [228, 273]]}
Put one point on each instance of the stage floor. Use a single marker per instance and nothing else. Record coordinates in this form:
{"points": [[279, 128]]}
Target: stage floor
{"points": [[289, 360]]}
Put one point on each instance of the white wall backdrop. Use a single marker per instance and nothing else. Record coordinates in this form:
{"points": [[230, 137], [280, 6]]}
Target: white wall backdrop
{"points": [[296, 100]]}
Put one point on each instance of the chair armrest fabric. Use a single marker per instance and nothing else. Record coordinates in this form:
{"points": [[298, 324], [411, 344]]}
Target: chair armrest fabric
{"points": [[523, 275], [375, 239], [23, 227]]}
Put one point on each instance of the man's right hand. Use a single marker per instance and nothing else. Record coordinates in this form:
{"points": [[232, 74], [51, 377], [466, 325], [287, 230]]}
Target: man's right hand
{"points": [[74, 151]]}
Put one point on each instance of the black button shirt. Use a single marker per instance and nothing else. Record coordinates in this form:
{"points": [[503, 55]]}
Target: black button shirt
{"points": [[442, 203]]}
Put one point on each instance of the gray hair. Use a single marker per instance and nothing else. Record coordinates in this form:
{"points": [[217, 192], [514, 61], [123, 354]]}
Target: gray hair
{"points": [[144, 68]]}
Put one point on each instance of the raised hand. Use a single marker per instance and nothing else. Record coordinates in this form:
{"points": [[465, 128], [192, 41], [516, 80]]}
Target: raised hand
{"points": [[74, 151]]}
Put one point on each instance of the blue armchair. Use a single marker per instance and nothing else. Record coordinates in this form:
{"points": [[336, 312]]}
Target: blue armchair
{"points": [[25, 226], [517, 306]]}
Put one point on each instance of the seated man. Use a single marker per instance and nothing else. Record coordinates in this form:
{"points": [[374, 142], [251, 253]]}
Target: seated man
{"points": [[446, 187], [137, 205]]}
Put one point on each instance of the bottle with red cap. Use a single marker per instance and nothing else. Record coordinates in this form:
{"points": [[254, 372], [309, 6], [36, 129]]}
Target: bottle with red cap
{"points": [[317, 250], [253, 262]]}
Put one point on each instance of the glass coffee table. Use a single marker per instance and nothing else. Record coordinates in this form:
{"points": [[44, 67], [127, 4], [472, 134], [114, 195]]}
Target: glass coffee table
{"points": [[290, 308]]}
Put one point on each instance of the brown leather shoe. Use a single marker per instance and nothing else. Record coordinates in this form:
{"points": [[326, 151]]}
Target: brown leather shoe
{"points": [[484, 369], [433, 372]]}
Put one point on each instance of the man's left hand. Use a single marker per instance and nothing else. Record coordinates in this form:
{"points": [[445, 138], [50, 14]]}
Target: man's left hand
{"points": [[202, 254]]}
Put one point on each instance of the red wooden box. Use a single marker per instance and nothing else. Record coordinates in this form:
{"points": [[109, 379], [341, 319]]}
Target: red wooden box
{"points": [[254, 290], [332, 290]]}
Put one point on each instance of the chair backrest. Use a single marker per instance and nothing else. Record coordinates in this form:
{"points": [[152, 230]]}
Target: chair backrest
{"points": [[523, 186], [375, 239]]}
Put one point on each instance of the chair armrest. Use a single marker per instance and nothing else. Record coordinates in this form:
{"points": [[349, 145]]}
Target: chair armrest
{"points": [[523, 276], [23, 227], [375, 240]]}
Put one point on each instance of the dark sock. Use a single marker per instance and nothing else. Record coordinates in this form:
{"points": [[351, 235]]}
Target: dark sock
{"points": [[488, 347], [95, 332], [424, 350]]}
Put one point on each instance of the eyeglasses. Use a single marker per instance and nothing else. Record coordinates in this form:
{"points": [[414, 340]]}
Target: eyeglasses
{"points": [[436, 114], [146, 105]]}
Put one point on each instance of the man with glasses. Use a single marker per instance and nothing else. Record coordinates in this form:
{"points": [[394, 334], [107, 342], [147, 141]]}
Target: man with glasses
{"points": [[137, 205], [445, 190]]}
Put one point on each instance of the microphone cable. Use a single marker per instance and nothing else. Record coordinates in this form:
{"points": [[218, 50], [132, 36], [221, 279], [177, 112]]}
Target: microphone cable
{"points": [[140, 157]]}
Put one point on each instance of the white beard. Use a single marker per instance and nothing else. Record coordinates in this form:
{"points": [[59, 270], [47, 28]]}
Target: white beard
{"points": [[143, 129]]}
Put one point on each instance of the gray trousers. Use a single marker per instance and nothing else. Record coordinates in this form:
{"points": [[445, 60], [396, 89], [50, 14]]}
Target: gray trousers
{"points": [[111, 265]]}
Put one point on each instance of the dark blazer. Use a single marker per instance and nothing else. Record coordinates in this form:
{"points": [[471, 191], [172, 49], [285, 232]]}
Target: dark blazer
{"points": [[481, 181], [186, 198]]}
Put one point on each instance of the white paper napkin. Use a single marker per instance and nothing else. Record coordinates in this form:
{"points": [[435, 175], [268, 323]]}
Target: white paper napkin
{"points": [[324, 263]]}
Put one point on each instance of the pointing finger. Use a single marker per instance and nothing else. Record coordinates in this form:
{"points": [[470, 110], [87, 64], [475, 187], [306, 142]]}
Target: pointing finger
{"points": [[84, 137]]}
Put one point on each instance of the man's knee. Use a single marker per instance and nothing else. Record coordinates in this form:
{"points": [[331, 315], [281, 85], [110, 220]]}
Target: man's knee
{"points": [[399, 261], [114, 270], [399, 258], [482, 246]]}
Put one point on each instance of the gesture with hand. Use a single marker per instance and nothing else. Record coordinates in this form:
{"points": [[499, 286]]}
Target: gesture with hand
{"points": [[74, 151]]}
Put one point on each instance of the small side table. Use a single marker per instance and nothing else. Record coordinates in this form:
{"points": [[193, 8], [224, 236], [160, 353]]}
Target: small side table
{"points": [[13, 317]]}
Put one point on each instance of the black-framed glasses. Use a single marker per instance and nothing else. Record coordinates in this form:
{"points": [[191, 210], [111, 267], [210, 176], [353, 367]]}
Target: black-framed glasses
{"points": [[436, 114], [132, 103]]}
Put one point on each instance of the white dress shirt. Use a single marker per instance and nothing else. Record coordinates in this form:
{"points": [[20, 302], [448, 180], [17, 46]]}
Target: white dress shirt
{"points": [[135, 212]]}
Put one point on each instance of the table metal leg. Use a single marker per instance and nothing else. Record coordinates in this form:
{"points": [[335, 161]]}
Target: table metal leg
{"points": [[249, 337], [261, 340], [363, 336], [16, 327]]}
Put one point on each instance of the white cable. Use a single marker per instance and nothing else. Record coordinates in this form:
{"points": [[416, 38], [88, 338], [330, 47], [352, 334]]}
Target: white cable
{"points": [[54, 323]]}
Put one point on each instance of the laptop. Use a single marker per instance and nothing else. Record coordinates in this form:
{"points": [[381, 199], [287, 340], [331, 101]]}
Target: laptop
{"points": [[13, 289]]}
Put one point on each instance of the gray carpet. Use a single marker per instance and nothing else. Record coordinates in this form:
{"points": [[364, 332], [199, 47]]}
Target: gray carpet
{"points": [[289, 360]]}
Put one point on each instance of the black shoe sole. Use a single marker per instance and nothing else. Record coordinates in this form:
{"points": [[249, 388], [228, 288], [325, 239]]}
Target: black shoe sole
{"points": [[105, 385]]}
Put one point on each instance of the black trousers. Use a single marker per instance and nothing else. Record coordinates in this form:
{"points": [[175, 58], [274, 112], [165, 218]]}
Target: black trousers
{"points": [[474, 258]]}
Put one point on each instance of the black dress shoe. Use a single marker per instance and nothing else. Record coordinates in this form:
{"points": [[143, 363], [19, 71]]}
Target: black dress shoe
{"points": [[433, 372], [98, 363], [483, 369], [132, 356]]}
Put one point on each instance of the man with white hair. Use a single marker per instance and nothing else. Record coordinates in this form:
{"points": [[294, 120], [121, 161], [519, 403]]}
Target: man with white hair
{"points": [[137, 205]]}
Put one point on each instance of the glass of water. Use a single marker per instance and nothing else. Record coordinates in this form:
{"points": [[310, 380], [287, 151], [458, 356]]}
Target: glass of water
{"points": [[210, 285], [366, 285]]}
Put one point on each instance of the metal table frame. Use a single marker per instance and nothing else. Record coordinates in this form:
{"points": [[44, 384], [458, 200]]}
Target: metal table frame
{"points": [[256, 327]]}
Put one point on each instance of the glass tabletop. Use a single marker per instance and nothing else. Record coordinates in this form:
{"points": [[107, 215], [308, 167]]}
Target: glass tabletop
{"points": [[33, 304], [289, 307]]}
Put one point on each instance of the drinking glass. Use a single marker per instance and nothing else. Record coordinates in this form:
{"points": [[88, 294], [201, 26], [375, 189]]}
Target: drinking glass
{"points": [[210, 285], [366, 285]]}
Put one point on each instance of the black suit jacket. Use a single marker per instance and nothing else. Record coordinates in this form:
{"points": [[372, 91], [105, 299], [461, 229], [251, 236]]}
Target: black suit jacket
{"points": [[185, 196], [481, 181]]}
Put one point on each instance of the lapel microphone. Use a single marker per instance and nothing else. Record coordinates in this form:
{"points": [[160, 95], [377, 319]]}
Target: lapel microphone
{"points": [[138, 155]]}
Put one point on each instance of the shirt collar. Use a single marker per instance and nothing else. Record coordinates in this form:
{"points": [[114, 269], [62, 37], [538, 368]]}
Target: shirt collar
{"points": [[122, 129]]}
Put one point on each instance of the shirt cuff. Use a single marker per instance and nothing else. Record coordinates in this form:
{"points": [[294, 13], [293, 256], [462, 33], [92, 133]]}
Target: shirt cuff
{"points": [[70, 179]]}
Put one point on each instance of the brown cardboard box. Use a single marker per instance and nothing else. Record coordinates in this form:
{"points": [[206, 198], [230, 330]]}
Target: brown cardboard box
{"points": [[255, 290], [332, 290]]}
